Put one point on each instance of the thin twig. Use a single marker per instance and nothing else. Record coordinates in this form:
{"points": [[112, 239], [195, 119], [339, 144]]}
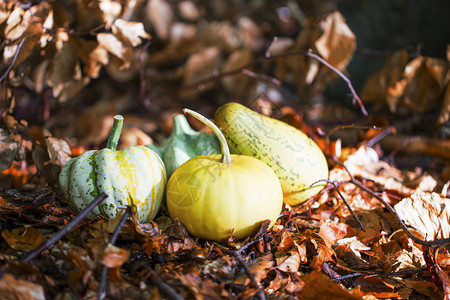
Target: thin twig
{"points": [[387, 131], [267, 57], [247, 271], [250, 275], [13, 60], [345, 78], [343, 199], [249, 244], [163, 287], [440, 278], [261, 76], [406, 272], [112, 240], [57, 236], [439, 242]]}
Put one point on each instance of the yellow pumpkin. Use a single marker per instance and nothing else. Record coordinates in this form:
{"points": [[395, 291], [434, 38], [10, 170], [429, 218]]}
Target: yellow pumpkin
{"points": [[216, 196]]}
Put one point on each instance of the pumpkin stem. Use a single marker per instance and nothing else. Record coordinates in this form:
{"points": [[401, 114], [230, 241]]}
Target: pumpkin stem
{"points": [[226, 156], [114, 134]]}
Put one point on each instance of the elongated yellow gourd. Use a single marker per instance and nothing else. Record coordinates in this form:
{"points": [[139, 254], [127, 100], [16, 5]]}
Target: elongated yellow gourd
{"points": [[295, 158], [216, 196]]}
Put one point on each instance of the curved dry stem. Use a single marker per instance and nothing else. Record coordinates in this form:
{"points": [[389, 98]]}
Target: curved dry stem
{"points": [[226, 156]]}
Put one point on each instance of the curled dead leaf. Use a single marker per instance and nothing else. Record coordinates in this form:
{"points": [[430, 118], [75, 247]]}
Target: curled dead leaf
{"points": [[337, 42], [58, 151], [131, 32], [114, 256], [427, 212], [9, 148], [161, 16], [291, 263], [20, 289], [237, 84], [116, 47], [200, 66]]}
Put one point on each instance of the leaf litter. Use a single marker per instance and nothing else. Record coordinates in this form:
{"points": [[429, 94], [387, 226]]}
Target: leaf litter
{"points": [[202, 55]]}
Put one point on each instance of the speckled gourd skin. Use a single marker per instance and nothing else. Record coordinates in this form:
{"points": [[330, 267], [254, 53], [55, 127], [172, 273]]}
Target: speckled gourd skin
{"points": [[296, 159], [133, 174]]}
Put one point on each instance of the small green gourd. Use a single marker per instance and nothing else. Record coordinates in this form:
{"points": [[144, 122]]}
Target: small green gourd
{"points": [[132, 175], [183, 144]]}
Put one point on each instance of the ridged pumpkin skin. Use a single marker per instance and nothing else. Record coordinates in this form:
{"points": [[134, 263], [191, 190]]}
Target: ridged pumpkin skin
{"points": [[214, 200], [135, 173], [296, 159]]}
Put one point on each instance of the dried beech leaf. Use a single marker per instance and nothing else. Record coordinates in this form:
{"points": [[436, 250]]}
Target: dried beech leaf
{"points": [[251, 34], [58, 151], [427, 212], [115, 46], [65, 77], [132, 32], [320, 286], [259, 267], [114, 256], [161, 16], [337, 43], [291, 263], [201, 66], [20, 289], [23, 238], [406, 260], [188, 10], [91, 54], [9, 148], [110, 11], [331, 232], [14, 26], [376, 87], [444, 116], [237, 84], [412, 84], [220, 34]]}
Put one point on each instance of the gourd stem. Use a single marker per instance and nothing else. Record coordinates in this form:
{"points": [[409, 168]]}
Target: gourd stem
{"points": [[181, 126], [226, 156], [114, 134]]}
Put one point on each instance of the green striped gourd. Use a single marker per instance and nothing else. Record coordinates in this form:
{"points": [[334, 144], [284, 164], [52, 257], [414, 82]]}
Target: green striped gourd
{"points": [[133, 175], [296, 159]]}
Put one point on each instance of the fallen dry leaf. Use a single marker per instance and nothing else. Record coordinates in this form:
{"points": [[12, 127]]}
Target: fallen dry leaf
{"points": [[114, 256], [132, 32], [23, 238], [200, 66], [337, 42], [160, 14], [427, 212], [320, 286], [289, 263], [9, 148], [19, 289]]}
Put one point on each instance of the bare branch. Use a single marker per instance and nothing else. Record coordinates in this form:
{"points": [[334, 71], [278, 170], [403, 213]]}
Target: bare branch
{"points": [[45, 245]]}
